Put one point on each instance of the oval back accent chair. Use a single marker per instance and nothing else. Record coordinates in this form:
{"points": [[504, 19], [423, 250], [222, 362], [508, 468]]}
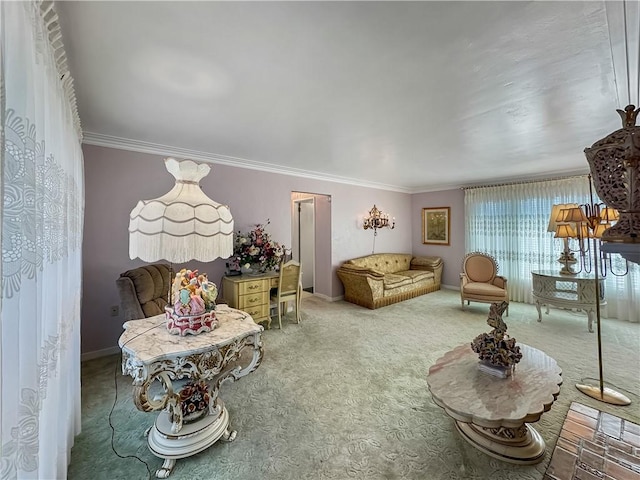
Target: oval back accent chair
{"points": [[480, 282]]}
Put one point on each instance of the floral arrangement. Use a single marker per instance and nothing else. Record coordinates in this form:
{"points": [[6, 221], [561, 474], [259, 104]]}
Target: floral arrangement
{"points": [[496, 347], [257, 248]]}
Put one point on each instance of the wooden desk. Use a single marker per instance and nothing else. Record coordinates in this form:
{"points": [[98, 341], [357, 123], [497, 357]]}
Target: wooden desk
{"points": [[250, 293], [151, 354], [567, 291]]}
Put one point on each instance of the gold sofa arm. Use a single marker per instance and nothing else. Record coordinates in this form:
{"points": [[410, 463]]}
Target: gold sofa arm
{"points": [[432, 264]]}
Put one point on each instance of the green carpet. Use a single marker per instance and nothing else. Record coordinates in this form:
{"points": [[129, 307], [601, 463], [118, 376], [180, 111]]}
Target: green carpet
{"points": [[344, 395]]}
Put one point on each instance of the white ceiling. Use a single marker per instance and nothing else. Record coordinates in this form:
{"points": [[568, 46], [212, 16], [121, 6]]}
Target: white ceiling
{"points": [[410, 96]]}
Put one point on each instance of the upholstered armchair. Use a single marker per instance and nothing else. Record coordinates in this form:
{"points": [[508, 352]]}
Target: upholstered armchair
{"points": [[480, 282], [144, 291]]}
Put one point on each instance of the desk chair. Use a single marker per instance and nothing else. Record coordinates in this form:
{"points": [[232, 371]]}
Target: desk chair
{"points": [[289, 288]]}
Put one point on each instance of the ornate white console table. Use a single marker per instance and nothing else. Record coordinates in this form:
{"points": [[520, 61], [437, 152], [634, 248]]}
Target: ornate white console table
{"points": [[192, 417], [567, 291]]}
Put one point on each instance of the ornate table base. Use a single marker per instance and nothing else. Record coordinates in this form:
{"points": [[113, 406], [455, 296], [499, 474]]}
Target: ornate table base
{"points": [[192, 438], [189, 371], [522, 445]]}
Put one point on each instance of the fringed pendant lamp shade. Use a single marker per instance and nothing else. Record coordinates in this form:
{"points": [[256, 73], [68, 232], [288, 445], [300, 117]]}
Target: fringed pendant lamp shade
{"points": [[183, 224]]}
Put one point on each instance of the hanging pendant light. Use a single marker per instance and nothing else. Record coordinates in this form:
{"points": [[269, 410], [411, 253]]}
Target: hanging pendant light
{"points": [[614, 161], [184, 224]]}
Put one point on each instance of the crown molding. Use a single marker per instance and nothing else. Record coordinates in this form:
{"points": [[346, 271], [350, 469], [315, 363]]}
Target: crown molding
{"points": [[120, 143]]}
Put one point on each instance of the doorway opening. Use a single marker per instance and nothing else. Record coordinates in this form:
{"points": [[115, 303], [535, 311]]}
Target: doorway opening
{"points": [[311, 239]]}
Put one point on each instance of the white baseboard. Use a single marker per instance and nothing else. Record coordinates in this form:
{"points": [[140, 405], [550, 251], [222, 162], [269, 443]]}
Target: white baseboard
{"points": [[450, 287], [105, 352], [328, 298]]}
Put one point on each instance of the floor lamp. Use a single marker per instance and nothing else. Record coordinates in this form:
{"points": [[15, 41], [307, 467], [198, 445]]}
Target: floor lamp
{"points": [[614, 164], [591, 221]]}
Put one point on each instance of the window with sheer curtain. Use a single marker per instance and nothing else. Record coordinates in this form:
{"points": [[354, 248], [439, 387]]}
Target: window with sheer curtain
{"points": [[510, 223], [42, 185]]}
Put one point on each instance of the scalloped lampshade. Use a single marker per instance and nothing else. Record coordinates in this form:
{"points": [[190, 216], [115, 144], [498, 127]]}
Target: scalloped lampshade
{"points": [[184, 224], [558, 212]]}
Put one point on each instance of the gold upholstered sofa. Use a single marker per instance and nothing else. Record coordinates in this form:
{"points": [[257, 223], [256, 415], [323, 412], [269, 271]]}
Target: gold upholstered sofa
{"points": [[385, 278]]}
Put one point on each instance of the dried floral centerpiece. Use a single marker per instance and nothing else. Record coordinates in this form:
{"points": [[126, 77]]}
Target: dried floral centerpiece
{"points": [[194, 302], [255, 250], [497, 351]]}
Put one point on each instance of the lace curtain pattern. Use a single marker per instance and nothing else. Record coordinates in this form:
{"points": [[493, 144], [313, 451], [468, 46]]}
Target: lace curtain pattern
{"points": [[42, 184], [510, 223]]}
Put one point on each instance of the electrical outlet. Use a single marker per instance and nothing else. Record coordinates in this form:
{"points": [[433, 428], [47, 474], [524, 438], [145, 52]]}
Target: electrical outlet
{"points": [[115, 311]]}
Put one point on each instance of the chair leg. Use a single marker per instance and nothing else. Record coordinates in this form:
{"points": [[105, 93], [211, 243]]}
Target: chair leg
{"points": [[462, 301], [280, 314]]}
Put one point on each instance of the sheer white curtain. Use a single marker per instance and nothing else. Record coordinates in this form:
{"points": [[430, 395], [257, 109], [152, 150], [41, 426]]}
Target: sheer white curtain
{"points": [[510, 223], [42, 210]]}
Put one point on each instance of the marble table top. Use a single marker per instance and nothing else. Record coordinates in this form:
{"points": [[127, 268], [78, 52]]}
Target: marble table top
{"points": [[148, 340], [469, 395], [555, 274]]}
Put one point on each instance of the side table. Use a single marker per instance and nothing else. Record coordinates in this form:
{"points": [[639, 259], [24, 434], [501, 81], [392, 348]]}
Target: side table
{"points": [[567, 291], [493, 414], [192, 415]]}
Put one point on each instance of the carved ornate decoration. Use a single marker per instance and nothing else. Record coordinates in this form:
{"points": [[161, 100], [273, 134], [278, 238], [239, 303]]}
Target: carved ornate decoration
{"points": [[615, 166], [496, 347], [509, 433], [207, 366]]}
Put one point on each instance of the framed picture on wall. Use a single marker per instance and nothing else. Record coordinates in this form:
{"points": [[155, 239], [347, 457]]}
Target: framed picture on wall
{"points": [[435, 225]]}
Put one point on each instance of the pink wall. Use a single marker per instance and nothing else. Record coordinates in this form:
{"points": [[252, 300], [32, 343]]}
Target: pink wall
{"points": [[117, 179], [452, 254]]}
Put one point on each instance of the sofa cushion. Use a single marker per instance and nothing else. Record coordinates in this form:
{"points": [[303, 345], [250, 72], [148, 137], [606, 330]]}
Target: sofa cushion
{"points": [[384, 262], [416, 275], [484, 289], [391, 280]]}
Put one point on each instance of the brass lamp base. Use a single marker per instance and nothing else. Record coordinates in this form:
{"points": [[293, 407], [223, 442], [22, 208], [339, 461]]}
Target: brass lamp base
{"points": [[607, 395], [566, 270]]}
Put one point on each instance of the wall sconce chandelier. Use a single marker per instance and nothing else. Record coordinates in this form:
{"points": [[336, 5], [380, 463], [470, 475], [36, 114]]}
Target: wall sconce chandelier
{"points": [[377, 220]]}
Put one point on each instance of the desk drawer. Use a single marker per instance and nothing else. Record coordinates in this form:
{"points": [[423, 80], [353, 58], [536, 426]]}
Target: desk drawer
{"points": [[257, 312], [254, 286], [253, 300]]}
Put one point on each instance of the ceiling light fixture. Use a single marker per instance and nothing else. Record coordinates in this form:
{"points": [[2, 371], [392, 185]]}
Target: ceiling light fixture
{"points": [[614, 161]]}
